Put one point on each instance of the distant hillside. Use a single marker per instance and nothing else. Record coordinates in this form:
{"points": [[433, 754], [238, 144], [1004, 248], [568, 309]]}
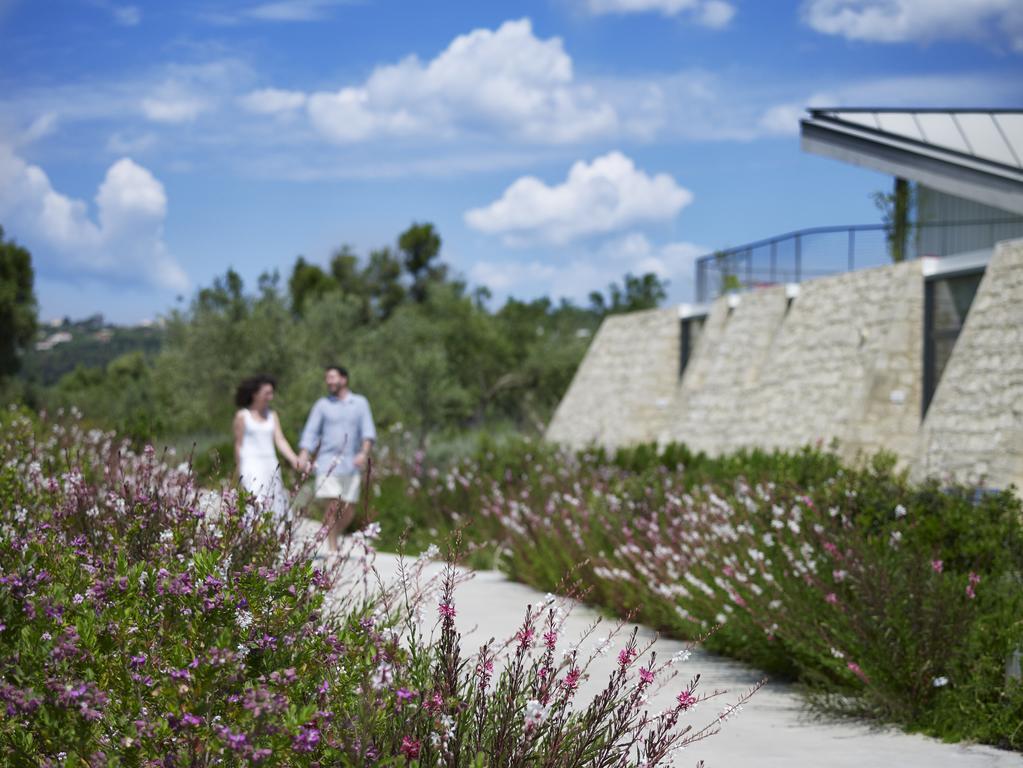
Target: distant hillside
{"points": [[90, 343]]}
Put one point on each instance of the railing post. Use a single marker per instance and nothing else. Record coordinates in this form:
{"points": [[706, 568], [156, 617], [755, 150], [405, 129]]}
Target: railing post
{"points": [[774, 261], [799, 258], [852, 249]]}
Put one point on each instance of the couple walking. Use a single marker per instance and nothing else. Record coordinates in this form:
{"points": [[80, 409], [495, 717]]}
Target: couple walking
{"points": [[339, 433]]}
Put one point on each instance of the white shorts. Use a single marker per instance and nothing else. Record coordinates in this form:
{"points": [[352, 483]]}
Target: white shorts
{"points": [[342, 487]]}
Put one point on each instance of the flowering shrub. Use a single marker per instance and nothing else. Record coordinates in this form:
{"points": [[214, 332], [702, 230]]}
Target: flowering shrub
{"points": [[884, 597], [145, 622]]}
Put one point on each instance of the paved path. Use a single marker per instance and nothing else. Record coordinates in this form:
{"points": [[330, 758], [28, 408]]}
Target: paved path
{"points": [[772, 731]]}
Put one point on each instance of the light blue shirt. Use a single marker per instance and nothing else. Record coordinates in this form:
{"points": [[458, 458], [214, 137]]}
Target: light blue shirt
{"points": [[335, 430]]}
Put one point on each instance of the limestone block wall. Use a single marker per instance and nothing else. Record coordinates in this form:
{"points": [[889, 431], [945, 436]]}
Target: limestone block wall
{"points": [[841, 361], [974, 426], [622, 389]]}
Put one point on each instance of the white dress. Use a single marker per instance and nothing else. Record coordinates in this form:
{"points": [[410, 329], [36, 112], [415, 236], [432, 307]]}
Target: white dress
{"points": [[259, 470]]}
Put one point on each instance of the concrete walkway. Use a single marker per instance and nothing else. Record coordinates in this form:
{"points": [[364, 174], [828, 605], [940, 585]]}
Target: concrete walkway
{"points": [[772, 731]]}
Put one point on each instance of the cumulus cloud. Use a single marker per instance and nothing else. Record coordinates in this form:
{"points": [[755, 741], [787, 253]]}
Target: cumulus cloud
{"points": [[272, 101], [173, 108], [578, 277], [506, 80], [124, 243], [899, 21], [606, 195], [710, 13]]}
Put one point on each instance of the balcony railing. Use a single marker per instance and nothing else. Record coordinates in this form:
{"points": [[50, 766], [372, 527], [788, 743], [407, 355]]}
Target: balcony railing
{"points": [[809, 253]]}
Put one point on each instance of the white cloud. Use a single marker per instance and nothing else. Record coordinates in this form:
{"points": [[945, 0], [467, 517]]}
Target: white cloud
{"points": [[182, 108], [899, 21], [505, 80], [291, 10], [127, 15], [126, 143], [272, 101], [710, 13], [125, 243], [578, 277], [910, 92], [606, 195]]}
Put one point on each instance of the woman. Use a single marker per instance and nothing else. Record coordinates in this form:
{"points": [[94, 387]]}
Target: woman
{"points": [[256, 432]]}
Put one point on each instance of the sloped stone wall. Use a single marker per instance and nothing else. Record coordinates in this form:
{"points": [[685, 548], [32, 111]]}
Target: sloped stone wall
{"points": [[622, 389], [841, 361], [974, 426]]}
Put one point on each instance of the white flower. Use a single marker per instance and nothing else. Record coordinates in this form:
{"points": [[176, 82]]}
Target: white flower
{"points": [[939, 682], [535, 713], [244, 619], [837, 653], [78, 599], [431, 552], [896, 538], [602, 646], [681, 656], [900, 511], [166, 534]]}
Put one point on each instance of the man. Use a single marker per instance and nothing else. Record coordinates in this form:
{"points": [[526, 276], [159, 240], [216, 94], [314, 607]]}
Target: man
{"points": [[340, 432]]}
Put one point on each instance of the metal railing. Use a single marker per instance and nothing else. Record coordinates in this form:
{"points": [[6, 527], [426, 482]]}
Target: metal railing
{"points": [[809, 253]]}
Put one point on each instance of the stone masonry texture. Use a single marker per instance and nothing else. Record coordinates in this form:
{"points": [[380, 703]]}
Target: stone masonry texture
{"points": [[974, 427], [841, 362]]}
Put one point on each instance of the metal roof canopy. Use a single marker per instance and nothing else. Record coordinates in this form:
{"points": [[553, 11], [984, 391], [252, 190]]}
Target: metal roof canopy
{"points": [[969, 153]]}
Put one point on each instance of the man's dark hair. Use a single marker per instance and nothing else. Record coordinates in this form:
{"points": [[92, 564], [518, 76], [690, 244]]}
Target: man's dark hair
{"points": [[249, 387], [339, 368]]}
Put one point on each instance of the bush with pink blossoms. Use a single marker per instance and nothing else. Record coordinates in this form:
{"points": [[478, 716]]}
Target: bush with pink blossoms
{"points": [[144, 621], [884, 597]]}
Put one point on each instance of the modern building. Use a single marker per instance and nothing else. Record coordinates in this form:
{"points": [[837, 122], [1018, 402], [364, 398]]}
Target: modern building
{"points": [[817, 336]]}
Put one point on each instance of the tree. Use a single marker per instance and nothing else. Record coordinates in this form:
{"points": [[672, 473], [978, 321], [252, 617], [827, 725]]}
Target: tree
{"points": [[307, 282], [18, 306], [897, 210], [644, 292], [382, 277], [420, 246]]}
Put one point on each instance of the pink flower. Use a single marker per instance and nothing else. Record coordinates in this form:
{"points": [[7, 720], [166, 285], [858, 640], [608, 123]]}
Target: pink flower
{"points": [[855, 669], [446, 610], [831, 598], [525, 637], [645, 676], [937, 566], [409, 748], [571, 681], [686, 700], [625, 656], [550, 639]]}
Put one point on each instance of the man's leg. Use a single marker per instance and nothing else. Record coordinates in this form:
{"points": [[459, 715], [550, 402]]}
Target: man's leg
{"points": [[339, 516]]}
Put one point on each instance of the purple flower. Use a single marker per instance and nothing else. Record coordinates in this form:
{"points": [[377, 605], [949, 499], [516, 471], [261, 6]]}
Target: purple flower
{"points": [[306, 739]]}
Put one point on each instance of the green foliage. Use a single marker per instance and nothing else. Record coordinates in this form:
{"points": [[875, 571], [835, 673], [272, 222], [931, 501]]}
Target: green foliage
{"points": [[644, 292], [898, 208], [426, 352], [17, 304], [145, 622], [883, 597]]}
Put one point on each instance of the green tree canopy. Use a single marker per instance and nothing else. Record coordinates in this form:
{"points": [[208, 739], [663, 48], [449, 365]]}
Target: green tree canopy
{"points": [[18, 308]]}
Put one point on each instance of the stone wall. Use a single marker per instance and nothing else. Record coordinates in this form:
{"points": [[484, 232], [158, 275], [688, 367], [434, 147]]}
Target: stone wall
{"points": [[974, 426], [624, 384], [840, 361]]}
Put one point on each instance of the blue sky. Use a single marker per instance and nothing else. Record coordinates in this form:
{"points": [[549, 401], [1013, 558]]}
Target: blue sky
{"points": [[556, 144]]}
